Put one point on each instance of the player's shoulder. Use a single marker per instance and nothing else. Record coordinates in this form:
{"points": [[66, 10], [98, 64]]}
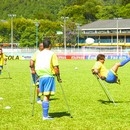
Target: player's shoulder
{"points": [[48, 51], [98, 63], [37, 51]]}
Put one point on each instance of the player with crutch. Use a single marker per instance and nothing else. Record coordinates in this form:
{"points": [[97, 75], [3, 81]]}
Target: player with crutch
{"points": [[110, 76], [3, 60], [34, 76], [47, 67]]}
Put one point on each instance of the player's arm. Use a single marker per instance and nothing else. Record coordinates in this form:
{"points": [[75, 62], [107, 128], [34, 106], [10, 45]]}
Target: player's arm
{"points": [[96, 72], [32, 66], [5, 59], [57, 73], [32, 63], [56, 67], [96, 69]]}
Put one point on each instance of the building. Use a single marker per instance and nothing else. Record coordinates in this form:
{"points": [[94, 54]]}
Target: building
{"points": [[111, 32]]}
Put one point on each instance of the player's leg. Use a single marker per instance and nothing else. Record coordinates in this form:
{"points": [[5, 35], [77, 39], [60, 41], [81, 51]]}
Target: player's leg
{"points": [[1, 67], [120, 64], [35, 79], [45, 107], [39, 99], [48, 89], [112, 77], [116, 66], [125, 61]]}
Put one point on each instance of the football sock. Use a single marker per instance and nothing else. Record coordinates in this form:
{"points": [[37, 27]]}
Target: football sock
{"points": [[45, 107], [125, 61]]}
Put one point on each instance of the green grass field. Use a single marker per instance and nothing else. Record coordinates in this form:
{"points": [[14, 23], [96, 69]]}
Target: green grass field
{"points": [[88, 103]]}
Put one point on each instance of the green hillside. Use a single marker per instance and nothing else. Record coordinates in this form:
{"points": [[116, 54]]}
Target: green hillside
{"points": [[50, 14]]}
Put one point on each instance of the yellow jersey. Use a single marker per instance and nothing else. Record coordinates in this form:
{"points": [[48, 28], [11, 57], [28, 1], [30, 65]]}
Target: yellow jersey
{"points": [[103, 71], [2, 59], [45, 62]]}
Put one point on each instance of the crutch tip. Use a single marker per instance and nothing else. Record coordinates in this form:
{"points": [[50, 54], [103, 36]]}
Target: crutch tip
{"points": [[71, 116]]}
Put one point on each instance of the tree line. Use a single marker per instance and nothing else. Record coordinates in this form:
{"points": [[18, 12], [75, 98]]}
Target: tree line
{"points": [[50, 16]]}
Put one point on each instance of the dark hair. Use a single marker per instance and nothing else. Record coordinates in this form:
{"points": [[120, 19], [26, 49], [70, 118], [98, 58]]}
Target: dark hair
{"points": [[100, 57], [46, 43]]}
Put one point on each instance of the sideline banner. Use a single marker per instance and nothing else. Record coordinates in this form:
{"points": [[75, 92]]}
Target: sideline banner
{"points": [[10, 57], [110, 57], [91, 57], [74, 57]]}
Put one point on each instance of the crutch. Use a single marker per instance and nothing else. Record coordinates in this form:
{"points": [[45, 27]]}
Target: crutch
{"points": [[105, 89], [65, 100], [34, 80], [33, 104], [7, 69], [31, 88]]}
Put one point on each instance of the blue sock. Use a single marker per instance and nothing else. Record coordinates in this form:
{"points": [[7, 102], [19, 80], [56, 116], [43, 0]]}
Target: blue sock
{"points": [[45, 107], [122, 63]]}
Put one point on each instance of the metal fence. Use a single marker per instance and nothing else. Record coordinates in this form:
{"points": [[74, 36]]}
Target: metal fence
{"points": [[72, 50]]}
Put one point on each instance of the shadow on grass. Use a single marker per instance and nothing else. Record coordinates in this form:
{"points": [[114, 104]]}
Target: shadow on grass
{"points": [[59, 114], [53, 99], [6, 78], [108, 102]]}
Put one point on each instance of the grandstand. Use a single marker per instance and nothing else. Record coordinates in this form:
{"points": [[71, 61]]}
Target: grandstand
{"points": [[108, 32]]}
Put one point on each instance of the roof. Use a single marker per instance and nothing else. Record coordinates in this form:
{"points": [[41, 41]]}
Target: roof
{"points": [[107, 24]]}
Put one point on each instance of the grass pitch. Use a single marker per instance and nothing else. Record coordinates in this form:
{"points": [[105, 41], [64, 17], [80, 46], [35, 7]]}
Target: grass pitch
{"points": [[88, 104]]}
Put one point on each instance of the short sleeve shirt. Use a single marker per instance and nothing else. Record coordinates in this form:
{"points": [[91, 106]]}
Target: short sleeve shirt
{"points": [[103, 71], [45, 62]]}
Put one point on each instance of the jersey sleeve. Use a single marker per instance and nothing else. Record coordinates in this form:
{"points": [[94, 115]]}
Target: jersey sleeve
{"points": [[55, 60], [34, 56]]}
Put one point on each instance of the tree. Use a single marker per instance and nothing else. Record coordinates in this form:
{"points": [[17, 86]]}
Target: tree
{"points": [[124, 11], [108, 12], [5, 31], [91, 8]]}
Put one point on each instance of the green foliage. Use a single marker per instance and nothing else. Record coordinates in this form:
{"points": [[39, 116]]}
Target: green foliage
{"points": [[124, 11], [108, 12], [49, 13], [91, 9], [4, 31]]}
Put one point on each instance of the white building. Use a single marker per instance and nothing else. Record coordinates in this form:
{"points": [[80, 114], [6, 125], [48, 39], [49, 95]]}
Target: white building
{"points": [[108, 32]]}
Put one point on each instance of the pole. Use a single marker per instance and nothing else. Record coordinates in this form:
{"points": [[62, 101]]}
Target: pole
{"points": [[11, 16], [64, 18], [78, 25], [36, 25], [65, 34], [117, 36]]}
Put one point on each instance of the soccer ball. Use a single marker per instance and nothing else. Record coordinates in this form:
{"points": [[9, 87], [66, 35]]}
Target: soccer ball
{"points": [[89, 41]]}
